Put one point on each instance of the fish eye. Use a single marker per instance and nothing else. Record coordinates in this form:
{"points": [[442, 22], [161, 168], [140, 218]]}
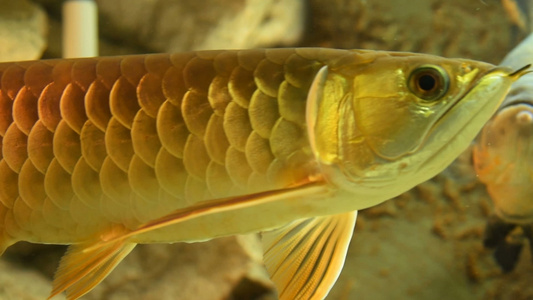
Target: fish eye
{"points": [[429, 82]]}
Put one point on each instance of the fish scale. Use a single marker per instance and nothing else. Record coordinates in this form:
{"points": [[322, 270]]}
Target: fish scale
{"points": [[81, 138]]}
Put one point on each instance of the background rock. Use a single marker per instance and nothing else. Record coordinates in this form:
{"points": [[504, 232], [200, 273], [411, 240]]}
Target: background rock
{"points": [[187, 271], [171, 26], [23, 284], [469, 29], [23, 30], [427, 244]]}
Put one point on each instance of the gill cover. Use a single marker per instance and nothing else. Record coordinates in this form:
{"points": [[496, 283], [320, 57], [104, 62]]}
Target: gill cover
{"points": [[322, 117], [358, 123], [329, 113]]}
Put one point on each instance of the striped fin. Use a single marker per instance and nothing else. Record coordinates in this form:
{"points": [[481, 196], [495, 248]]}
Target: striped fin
{"points": [[305, 258], [80, 271]]}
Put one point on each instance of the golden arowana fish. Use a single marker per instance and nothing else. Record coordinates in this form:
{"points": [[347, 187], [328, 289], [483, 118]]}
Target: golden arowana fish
{"points": [[105, 153], [503, 159]]}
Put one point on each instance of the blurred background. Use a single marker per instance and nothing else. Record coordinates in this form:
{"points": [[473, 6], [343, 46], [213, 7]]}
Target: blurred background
{"points": [[425, 244]]}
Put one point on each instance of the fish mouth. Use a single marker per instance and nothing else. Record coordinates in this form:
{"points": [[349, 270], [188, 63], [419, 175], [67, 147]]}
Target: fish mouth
{"points": [[514, 75], [520, 72], [521, 102], [479, 78]]}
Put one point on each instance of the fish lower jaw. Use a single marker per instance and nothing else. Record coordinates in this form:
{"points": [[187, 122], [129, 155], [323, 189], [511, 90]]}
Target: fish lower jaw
{"points": [[456, 132]]}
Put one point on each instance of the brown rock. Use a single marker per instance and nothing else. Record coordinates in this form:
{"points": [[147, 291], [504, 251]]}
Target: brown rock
{"points": [[23, 30], [23, 284], [450, 28], [208, 271], [170, 26]]}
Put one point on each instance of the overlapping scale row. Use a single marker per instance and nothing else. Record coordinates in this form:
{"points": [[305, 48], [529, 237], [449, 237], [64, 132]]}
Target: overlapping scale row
{"points": [[87, 142]]}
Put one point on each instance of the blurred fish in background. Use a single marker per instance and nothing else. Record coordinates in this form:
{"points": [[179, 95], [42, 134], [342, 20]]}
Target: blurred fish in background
{"points": [[518, 13], [503, 157]]}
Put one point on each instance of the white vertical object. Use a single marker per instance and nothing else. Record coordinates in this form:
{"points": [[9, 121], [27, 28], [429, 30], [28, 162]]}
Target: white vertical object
{"points": [[80, 28]]}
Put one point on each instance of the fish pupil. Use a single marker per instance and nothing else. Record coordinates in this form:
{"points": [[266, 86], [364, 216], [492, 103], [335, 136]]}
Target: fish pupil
{"points": [[427, 82]]}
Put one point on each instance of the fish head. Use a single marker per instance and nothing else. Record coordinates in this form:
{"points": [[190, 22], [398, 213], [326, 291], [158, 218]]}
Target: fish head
{"points": [[380, 127]]}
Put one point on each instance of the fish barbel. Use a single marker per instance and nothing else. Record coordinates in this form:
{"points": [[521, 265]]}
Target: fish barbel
{"points": [[104, 153]]}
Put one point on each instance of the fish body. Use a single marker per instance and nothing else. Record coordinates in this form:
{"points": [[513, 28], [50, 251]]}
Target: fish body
{"points": [[104, 153]]}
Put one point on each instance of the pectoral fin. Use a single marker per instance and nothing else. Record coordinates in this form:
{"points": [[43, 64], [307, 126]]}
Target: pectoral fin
{"points": [[305, 258], [80, 271]]}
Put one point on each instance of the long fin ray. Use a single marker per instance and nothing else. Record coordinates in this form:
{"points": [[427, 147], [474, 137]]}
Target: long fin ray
{"points": [[218, 206], [305, 257], [87, 283], [80, 271]]}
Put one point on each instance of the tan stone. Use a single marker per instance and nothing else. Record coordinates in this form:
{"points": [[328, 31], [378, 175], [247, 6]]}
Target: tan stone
{"points": [[207, 271], [23, 284], [469, 29], [170, 26], [23, 30]]}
